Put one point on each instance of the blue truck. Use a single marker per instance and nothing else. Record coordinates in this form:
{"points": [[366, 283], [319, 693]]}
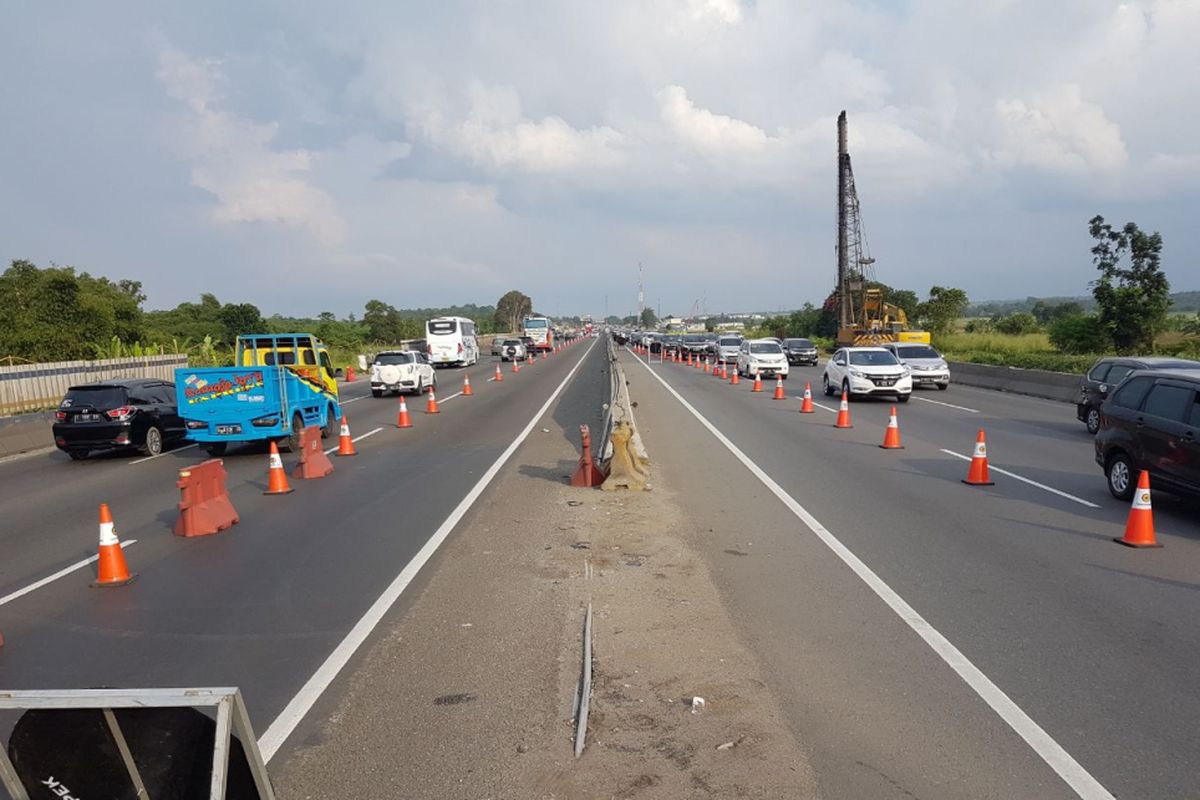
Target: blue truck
{"points": [[280, 383]]}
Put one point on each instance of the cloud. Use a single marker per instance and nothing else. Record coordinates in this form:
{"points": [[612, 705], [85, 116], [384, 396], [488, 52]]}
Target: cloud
{"points": [[1057, 130], [706, 131], [234, 159]]}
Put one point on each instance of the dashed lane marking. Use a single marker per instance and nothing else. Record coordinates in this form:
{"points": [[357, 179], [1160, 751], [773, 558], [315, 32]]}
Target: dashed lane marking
{"points": [[947, 405], [8, 598], [1015, 476], [163, 453], [291, 715], [1049, 750]]}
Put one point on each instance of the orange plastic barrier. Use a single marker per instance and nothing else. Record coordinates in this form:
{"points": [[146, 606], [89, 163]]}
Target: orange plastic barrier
{"points": [[204, 507], [313, 461]]}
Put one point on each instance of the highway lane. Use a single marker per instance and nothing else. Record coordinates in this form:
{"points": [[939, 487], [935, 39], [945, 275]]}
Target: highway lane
{"points": [[262, 604], [1096, 642]]}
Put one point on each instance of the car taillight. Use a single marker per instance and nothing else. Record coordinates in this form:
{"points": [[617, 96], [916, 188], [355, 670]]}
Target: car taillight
{"points": [[265, 422], [121, 414], [195, 424], [61, 416]]}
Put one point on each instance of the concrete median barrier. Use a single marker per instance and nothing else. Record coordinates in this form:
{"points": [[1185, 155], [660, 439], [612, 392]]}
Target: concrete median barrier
{"points": [[26, 433], [624, 457], [1061, 386]]}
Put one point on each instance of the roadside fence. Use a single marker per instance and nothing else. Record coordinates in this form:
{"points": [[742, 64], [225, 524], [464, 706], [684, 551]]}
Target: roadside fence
{"points": [[33, 387]]}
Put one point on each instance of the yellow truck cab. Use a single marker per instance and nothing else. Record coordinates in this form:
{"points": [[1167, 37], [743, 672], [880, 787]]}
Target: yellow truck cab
{"points": [[302, 353]]}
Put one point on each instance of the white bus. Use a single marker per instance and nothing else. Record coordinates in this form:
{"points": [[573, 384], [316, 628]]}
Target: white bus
{"points": [[451, 341], [538, 329]]}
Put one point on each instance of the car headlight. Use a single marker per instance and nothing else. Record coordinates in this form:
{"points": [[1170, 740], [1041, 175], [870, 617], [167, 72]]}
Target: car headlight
{"points": [[857, 373], [905, 372]]}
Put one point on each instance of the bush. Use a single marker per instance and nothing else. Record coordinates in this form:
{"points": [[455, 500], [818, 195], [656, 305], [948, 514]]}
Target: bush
{"points": [[1016, 324], [1080, 333], [1054, 362]]}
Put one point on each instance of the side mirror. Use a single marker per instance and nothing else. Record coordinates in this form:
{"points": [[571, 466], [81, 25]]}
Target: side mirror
{"points": [[337, 373], [1102, 389]]}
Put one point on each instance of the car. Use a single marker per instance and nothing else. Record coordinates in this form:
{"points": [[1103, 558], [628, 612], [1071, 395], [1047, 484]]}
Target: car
{"points": [[761, 356], [800, 352], [1151, 421], [531, 347], [118, 414], [867, 371], [512, 350], [693, 343], [928, 366], [401, 371], [497, 344], [1107, 373], [728, 348]]}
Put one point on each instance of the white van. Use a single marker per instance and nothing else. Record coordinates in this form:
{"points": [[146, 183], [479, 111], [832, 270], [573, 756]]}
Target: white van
{"points": [[451, 341]]}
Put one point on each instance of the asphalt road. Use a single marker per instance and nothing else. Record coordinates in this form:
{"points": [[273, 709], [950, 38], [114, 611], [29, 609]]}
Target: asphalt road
{"points": [[261, 605], [1098, 644]]}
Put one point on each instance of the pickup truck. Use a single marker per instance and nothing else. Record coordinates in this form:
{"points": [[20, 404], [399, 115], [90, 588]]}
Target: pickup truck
{"points": [[279, 385]]}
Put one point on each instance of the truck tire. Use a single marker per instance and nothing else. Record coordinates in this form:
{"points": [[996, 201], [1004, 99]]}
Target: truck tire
{"points": [[330, 423], [291, 442], [216, 449]]}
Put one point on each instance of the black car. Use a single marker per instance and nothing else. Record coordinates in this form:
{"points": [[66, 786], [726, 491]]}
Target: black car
{"points": [[800, 351], [118, 414], [1152, 422], [1107, 373]]}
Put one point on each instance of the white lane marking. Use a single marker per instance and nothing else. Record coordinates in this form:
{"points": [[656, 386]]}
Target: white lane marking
{"points": [[356, 439], [947, 405], [355, 399], [448, 399], [1050, 751], [8, 598], [1043, 486], [163, 453], [274, 737]]}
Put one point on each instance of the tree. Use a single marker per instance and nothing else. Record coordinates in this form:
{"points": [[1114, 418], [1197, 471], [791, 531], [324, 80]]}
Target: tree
{"points": [[649, 319], [1016, 324], [511, 309], [943, 308], [710, 324], [239, 318], [1080, 334], [1133, 301]]}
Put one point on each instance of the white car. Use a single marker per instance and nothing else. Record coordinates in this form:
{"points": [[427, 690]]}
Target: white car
{"points": [[512, 350], [865, 371], [401, 371], [764, 356], [928, 366]]}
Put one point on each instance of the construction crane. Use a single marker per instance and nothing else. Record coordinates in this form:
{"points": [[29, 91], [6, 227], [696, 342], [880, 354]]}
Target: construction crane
{"points": [[864, 317]]}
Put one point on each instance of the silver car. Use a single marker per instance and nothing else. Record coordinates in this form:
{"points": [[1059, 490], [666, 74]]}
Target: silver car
{"points": [[927, 365], [728, 347]]}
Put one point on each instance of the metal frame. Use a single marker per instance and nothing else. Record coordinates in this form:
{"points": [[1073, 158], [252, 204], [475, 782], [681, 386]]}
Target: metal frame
{"points": [[231, 718]]}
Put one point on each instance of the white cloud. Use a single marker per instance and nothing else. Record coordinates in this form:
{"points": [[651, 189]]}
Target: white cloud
{"points": [[705, 130], [233, 158], [1057, 130]]}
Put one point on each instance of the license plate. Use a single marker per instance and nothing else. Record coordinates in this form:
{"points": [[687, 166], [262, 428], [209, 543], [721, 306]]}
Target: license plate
{"points": [[228, 429], [87, 417], [884, 383]]}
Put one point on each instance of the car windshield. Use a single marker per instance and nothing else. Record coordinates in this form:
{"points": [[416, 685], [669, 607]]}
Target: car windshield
{"points": [[731, 342], [872, 358], [922, 351], [693, 339], [442, 327], [101, 397], [512, 342], [535, 323], [764, 347], [803, 344], [394, 358]]}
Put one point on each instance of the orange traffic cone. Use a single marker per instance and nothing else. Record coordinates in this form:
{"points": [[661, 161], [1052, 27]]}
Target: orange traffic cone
{"points": [[757, 381], [499, 375], [843, 417], [112, 569], [735, 379], [779, 395], [431, 406], [1139, 529], [977, 475], [516, 366], [806, 407], [891, 437], [467, 390], [345, 443], [717, 369], [402, 419], [277, 482]]}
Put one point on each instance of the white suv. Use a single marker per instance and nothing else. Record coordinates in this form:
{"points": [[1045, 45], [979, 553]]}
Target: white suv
{"points": [[928, 366], [864, 371], [401, 371], [764, 356]]}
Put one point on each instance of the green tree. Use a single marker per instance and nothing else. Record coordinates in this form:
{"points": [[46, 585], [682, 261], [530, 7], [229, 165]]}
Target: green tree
{"points": [[1132, 300], [511, 308], [1080, 334], [943, 308], [240, 318], [1016, 324], [649, 319]]}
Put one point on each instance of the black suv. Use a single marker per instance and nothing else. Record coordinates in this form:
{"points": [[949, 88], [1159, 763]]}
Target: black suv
{"points": [[800, 351], [1152, 421], [1107, 373], [118, 414]]}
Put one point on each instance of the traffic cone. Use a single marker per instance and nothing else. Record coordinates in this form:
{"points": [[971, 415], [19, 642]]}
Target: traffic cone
{"points": [[757, 381], [779, 395], [717, 369], [735, 379], [545, 355], [345, 443], [516, 366], [1139, 529], [111, 569], [806, 407], [977, 475], [277, 482], [843, 417], [499, 374], [431, 406], [891, 437], [402, 419], [467, 390], [707, 366]]}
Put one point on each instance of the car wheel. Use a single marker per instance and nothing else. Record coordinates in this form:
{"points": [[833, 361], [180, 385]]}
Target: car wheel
{"points": [[216, 449], [420, 387], [330, 422], [943, 387], [153, 443], [825, 387], [1119, 471], [377, 393], [77, 455], [292, 442], [846, 390], [1092, 420], [903, 398]]}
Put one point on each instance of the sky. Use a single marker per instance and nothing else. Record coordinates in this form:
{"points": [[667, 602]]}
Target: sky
{"points": [[309, 156]]}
